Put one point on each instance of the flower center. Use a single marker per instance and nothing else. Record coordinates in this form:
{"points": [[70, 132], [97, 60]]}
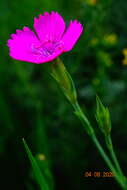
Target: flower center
{"points": [[47, 48]]}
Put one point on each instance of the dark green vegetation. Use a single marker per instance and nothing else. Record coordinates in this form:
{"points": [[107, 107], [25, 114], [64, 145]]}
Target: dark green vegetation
{"points": [[32, 107]]}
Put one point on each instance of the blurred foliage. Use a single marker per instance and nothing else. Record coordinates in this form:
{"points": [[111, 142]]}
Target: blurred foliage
{"points": [[32, 106]]}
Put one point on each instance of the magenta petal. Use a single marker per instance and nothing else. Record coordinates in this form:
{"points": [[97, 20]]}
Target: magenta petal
{"points": [[21, 43], [49, 27], [72, 34], [25, 46]]}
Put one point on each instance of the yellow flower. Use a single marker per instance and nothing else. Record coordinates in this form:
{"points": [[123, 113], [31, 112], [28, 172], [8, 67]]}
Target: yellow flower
{"points": [[91, 2], [41, 157], [110, 39], [124, 61], [125, 51]]}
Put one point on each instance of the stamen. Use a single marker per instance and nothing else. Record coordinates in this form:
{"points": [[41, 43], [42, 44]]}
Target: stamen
{"points": [[46, 49]]}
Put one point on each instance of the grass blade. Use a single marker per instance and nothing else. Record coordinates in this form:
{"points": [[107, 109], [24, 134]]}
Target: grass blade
{"points": [[37, 172]]}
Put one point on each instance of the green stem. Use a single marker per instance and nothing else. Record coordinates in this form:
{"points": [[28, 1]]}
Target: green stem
{"points": [[108, 162], [91, 133], [65, 81], [113, 155], [83, 118]]}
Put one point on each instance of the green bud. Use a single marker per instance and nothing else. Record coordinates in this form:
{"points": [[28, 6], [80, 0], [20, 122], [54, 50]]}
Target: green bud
{"points": [[63, 78], [103, 117]]}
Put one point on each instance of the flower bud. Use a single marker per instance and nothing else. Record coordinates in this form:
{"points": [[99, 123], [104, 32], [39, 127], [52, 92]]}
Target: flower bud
{"points": [[63, 78], [103, 117]]}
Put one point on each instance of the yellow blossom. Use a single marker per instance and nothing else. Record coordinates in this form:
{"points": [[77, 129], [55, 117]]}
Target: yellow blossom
{"points": [[125, 51], [110, 39], [41, 157], [124, 61], [91, 2]]}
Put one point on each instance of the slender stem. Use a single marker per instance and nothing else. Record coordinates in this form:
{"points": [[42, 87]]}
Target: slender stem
{"points": [[91, 133], [113, 155], [65, 81], [83, 118], [108, 162]]}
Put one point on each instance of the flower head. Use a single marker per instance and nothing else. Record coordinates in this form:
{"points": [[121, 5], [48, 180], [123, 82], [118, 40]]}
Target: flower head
{"points": [[52, 38]]}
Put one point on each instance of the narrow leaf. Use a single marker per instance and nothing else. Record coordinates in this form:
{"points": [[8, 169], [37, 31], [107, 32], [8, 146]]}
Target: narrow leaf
{"points": [[37, 172]]}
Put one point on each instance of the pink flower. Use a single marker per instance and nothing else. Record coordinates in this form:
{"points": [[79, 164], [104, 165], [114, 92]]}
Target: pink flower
{"points": [[51, 39]]}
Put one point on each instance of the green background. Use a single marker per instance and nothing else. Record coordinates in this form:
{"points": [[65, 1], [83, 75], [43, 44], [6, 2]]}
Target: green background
{"points": [[33, 107]]}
